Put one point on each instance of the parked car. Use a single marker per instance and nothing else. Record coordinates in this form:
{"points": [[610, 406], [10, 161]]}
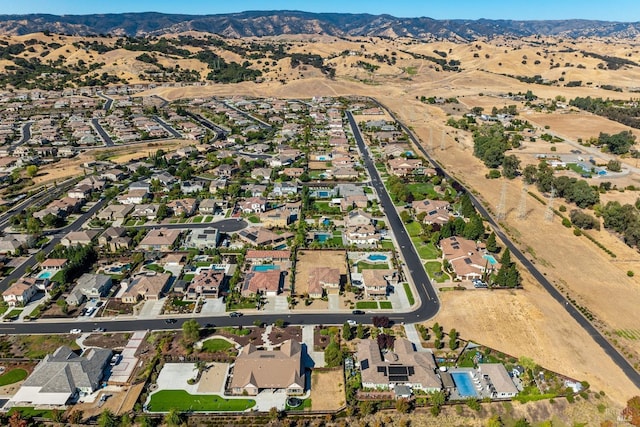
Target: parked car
{"points": [[170, 321], [75, 331], [116, 359], [99, 330], [235, 314], [352, 322], [357, 312]]}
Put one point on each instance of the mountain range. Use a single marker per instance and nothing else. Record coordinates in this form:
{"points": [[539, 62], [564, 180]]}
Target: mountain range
{"points": [[275, 23]]}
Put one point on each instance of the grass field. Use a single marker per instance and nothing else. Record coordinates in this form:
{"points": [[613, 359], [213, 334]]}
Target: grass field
{"points": [[216, 344], [306, 404], [40, 345], [407, 290], [12, 376], [422, 191], [386, 305], [426, 250], [413, 228], [30, 412], [165, 400], [434, 269], [197, 219], [367, 305], [253, 219], [367, 266], [387, 244]]}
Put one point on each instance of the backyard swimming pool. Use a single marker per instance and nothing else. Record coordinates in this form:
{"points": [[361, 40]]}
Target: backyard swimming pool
{"points": [[265, 267], [45, 275], [464, 384], [377, 257], [322, 237], [490, 258]]}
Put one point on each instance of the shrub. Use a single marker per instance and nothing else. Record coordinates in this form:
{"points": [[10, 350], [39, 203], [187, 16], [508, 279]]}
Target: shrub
{"points": [[630, 273]]}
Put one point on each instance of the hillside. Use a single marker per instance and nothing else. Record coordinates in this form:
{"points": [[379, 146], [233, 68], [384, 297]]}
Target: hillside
{"points": [[273, 23]]}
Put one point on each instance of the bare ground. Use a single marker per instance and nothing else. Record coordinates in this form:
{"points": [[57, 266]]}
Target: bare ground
{"points": [[327, 389]]}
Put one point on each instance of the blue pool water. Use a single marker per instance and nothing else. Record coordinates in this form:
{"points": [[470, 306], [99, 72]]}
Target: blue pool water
{"points": [[45, 275], [490, 258], [265, 267], [321, 237], [464, 384], [377, 257], [323, 194]]}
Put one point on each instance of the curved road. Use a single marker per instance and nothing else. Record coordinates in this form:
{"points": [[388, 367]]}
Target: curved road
{"points": [[611, 351]]}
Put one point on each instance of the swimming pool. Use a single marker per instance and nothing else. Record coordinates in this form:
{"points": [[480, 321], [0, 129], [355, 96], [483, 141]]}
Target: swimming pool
{"points": [[45, 275], [265, 267], [464, 384], [321, 237], [490, 258], [377, 257]]}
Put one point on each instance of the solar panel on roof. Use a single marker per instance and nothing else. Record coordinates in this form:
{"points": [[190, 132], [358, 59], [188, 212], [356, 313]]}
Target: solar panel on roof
{"points": [[467, 261], [397, 370], [398, 378]]}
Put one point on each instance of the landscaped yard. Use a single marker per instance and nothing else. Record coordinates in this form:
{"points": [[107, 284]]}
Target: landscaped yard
{"points": [[387, 244], [253, 219], [364, 305], [325, 209], [407, 291], [188, 277], [386, 305], [215, 344], [426, 250], [155, 267], [38, 346], [207, 218], [306, 404], [14, 313], [414, 228], [30, 412], [197, 219], [422, 191], [165, 400], [434, 269], [12, 376]]}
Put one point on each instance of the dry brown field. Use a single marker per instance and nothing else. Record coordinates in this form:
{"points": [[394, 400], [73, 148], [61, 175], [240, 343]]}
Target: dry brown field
{"points": [[308, 260], [576, 125], [327, 390]]}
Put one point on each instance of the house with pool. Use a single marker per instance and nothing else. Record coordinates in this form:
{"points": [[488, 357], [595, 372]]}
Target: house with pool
{"points": [[467, 258]]}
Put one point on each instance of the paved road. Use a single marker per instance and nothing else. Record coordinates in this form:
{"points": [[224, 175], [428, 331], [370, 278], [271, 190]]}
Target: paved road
{"points": [[105, 137], [249, 116], [25, 136], [108, 104], [430, 303], [75, 226], [220, 132], [611, 351], [168, 128]]}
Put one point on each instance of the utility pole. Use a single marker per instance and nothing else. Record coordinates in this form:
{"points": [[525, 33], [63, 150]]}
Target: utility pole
{"points": [[442, 145], [548, 214], [501, 210], [522, 207]]}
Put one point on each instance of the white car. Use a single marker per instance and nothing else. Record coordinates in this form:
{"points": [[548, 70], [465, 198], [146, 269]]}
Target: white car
{"points": [[75, 331]]}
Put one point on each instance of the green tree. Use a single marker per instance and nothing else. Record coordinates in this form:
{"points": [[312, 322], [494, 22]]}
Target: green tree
{"points": [[510, 166], [190, 332], [437, 330], [333, 354], [125, 420], [173, 418], [492, 244], [495, 421], [453, 339], [107, 419], [474, 229], [32, 171], [436, 400], [162, 212], [529, 174], [466, 206], [505, 259], [347, 333], [522, 422], [403, 405], [360, 333]]}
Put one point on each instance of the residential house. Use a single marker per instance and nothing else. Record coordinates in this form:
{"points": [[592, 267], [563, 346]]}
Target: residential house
{"points": [[275, 218], [261, 173], [83, 237], [284, 189], [161, 239], [54, 264], [225, 170], [346, 190], [115, 238], [115, 212], [467, 260], [263, 237], [203, 238], [206, 284], [281, 369], [193, 186], [362, 235], [19, 293], [62, 377], [358, 217], [208, 206], [133, 197], [80, 192], [145, 287], [165, 179], [140, 185], [9, 244], [253, 205], [404, 366], [397, 150], [404, 167], [344, 172], [436, 211], [323, 279], [254, 190], [293, 172], [497, 380], [376, 282], [113, 175], [89, 286], [148, 211], [266, 283], [349, 202], [183, 207]]}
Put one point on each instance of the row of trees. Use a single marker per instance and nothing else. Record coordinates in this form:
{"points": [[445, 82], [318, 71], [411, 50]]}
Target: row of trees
{"points": [[611, 109], [624, 219], [571, 189], [490, 142]]}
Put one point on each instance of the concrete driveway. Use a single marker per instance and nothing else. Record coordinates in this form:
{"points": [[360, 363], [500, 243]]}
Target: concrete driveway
{"points": [[174, 376]]}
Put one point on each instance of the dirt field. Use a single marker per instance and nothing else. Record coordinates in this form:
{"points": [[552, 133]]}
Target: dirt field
{"points": [[327, 389], [578, 125], [213, 378], [308, 260]]}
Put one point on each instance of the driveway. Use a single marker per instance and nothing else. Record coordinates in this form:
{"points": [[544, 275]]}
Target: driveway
{"points": [[174, 376], [268, 399], [213, 306]]}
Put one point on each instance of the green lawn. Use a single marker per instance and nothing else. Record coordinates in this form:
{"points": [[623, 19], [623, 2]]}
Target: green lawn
{"points": [[155, 267], [407, 290], [207, 218], [30, 412], [434, 269], [367, 305], [57, 277], [387, 244], [183, 220], [253, 219], [13, 313], [306, 404], [414, 228], [216, 344], [426, 250], [203, 263], [188, 277], [165, 400], [366, 266], [422, 191], [197, 219], [386, 305], [3, 307], [235, 331], [12, 376], [367, 190], [325, 209], [577, 169]]}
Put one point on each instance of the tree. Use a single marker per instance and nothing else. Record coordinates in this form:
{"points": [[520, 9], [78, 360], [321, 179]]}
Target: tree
{"points": [[16, 420], [125, 420], [510, 166], [492, 244], [506, 257], [333, 354], [32, 171], [436, 399], [522, 422], [614, 165], [380, 321], [163, 211], [107, 419], [632, 410], [474, 229], [437, 330], [466, 206], [173, 418], [403, 405], [347, 333], [618, 143], [495, 421], [76, 417], [360, 333], [529, 174], [367, 407], [190, 332], [453, 339]]}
